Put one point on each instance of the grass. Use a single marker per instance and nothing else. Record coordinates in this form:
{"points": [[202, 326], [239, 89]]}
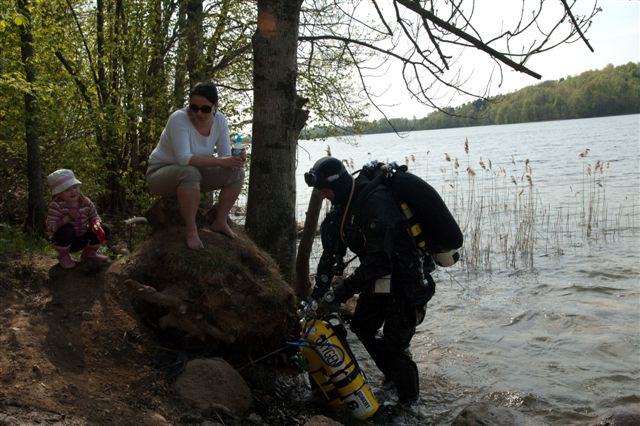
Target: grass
{"points": [[16, 244]]}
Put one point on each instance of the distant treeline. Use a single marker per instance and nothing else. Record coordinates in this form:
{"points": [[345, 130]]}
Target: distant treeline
{"points": [[610, 91]]}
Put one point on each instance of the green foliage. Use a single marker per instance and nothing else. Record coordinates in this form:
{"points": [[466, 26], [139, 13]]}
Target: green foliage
{"points": [[15, 244], [104, 96], [610, 91]]}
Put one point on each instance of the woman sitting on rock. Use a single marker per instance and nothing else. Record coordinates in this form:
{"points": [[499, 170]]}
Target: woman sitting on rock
{"points": [[183, 163]]}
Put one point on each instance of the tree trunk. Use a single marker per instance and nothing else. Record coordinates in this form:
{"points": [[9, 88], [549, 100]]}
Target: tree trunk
{"points": [[195, 41], [154, 94], [277, 122], [35, 202], [303, 285], [180, 71]]}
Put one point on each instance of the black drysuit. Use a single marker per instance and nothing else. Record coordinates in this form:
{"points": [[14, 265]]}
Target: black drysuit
{"points": [[375, 229]]}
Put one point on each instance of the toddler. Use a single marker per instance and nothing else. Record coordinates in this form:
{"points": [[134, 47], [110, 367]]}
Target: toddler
{"points": [[72, 220]]}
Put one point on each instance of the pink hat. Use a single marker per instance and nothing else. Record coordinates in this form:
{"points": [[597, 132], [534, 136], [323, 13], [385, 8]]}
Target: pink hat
{"points": [[61, 180]]}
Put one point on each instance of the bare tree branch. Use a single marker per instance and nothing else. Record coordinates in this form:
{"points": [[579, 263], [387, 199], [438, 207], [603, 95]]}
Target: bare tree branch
{"points": [[575, 24], [72, 72], [463, 35], [84, 42]]}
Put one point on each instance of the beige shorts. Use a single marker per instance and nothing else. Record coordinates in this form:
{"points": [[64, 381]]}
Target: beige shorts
{"points": [[165, 180]]}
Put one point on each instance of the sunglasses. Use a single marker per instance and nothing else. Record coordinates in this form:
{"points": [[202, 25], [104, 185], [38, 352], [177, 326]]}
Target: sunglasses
{"points": [[206, 109]]}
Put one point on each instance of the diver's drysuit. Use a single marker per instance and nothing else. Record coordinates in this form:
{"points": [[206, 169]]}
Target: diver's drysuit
{"points": [[393, 278]]}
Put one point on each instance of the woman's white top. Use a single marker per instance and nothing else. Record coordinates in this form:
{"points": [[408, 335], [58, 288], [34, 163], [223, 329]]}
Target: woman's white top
{"points": [[180, 141]]}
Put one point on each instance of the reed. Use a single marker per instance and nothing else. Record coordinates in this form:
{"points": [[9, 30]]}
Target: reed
{"points": [[506, 221], [502, 210]]}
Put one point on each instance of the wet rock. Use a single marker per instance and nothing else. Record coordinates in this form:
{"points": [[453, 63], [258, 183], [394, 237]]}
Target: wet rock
{"points": [[322, 421], [212, 384], [483, 414], [619, 417]]}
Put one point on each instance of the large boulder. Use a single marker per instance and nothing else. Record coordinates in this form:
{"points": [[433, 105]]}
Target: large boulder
{"points": [[230, 292], [213, 384]]}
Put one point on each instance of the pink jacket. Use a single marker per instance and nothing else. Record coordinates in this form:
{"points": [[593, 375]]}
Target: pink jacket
{"points": [[87, 216]]}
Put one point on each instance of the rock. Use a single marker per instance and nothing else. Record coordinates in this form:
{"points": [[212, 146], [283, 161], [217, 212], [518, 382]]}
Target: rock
{"points": [[230, 292], [619, 417], [165, 213], [155, 419], [255, 419], [484, 414], [322, 421], [208, 384]]}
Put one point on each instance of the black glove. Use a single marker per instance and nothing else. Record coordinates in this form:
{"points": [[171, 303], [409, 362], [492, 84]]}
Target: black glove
{"points": [[319, 292], [325, 307], [343, 291]]}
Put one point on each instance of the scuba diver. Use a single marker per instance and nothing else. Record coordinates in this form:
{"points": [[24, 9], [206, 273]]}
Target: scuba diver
{"points": [[392, 280]]}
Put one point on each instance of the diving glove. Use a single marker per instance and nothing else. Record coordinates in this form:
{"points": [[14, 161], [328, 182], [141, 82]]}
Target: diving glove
{"points": [[343, 291]]}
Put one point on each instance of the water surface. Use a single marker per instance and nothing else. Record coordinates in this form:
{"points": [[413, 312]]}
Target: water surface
{"points": [[549, 326]]}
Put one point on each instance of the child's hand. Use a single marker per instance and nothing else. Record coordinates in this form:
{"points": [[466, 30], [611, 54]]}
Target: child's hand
{"points": [[97, 229], [73, 214]]}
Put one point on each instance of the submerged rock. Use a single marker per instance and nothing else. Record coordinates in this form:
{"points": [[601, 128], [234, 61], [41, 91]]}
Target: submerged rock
{"points": [[488, 414], [619, 417], [322, 421]]}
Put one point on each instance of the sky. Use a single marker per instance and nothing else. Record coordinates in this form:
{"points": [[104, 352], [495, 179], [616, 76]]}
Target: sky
{"points": [[614, 36]]}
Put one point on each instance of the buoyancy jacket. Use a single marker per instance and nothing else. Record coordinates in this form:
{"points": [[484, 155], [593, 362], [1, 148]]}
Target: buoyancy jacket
{"points": [[375, 229]]}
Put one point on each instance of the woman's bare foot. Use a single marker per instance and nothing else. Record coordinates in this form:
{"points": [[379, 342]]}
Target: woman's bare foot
{"points": [[194, 242], [223, 228]]}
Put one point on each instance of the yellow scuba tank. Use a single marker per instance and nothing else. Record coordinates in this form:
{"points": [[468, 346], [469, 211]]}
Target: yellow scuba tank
{"points": [[334, 369], [318, 371]]}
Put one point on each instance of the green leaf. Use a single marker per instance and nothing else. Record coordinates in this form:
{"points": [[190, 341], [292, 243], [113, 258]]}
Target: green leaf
{"points": [[20, 20]]}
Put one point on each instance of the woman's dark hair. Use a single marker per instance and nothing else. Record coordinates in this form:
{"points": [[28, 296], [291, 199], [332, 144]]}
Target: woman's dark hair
{"points": [[206, 89]]}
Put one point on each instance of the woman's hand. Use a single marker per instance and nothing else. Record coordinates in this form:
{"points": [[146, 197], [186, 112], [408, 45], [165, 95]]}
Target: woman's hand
{"points": [[233, 163]]}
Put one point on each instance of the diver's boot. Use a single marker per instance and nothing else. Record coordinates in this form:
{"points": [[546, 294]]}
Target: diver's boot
{"points": [[407, 382]]}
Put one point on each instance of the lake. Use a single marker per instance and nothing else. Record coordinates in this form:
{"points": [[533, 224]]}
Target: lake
{"points": [[543, 312]]}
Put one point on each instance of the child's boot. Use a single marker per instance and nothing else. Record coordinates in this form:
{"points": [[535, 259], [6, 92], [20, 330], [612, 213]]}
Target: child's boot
{"points": [[91, 253], [64, 257]]}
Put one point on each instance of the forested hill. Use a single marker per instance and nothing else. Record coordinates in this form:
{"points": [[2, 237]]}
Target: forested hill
{"points": [[610, 91]]}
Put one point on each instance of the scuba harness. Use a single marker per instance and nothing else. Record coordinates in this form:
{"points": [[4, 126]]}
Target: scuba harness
{"points": [[434, 230]]}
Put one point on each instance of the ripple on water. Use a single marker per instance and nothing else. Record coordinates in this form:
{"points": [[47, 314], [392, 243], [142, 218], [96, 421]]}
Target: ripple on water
{"points": [[576, 288]]}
